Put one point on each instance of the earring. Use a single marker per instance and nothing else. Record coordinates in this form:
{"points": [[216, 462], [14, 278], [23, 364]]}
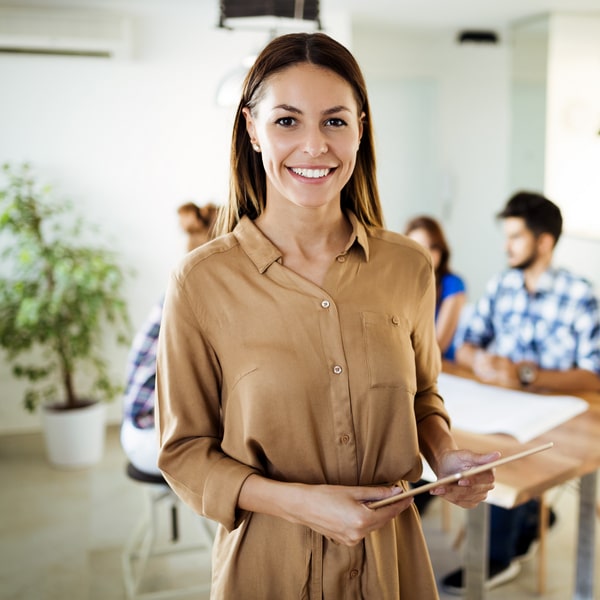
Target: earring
{"points": [[256, 147]]}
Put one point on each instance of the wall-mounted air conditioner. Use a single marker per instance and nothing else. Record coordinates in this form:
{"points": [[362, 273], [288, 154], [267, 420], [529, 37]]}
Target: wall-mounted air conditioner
{"points": [[64, 32]]}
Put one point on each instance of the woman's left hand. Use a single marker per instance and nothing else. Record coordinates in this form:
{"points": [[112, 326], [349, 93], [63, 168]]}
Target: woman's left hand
{"points": [[467, 492]]}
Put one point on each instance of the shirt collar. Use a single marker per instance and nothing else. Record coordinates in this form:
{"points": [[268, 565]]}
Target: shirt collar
{"points": [[545, 282], [359, 235], [263, 253]]}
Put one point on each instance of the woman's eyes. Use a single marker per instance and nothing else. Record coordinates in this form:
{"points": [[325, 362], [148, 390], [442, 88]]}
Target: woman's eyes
{"points": [[335, 122], [291, 121], [286, 121]]}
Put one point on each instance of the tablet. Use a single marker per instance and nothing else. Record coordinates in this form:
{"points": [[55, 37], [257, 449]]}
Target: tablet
{"points": [[456, 476]]}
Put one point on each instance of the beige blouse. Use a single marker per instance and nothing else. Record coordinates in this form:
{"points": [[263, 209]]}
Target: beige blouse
{"points": [[262, 371]]}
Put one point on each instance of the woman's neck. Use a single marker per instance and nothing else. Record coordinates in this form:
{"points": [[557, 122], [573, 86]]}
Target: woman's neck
{"points": [[309, 242]]}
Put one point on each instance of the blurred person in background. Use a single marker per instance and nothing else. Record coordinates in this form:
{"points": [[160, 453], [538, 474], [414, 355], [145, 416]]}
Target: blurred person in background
{"points": [[450, 288], [138, 434]]}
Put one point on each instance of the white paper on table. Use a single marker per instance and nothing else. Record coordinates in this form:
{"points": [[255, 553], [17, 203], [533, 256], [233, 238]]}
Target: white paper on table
{"points": [[481, 408]]}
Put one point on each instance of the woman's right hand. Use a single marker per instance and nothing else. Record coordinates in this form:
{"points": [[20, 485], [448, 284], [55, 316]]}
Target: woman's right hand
{"points": [[340, 513]]}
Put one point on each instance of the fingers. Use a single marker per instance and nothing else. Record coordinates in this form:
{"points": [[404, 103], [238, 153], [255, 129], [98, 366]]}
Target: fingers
{"points": [[377, 492], [482, 459], [347, 519], [470, 491], [487, 477]]}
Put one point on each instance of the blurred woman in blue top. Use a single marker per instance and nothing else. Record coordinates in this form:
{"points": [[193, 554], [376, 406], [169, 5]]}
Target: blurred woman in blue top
{"points": [[451, 290]]}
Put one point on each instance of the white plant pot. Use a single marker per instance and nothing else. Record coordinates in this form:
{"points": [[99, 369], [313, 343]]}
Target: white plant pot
{"points": [[75, 438]]}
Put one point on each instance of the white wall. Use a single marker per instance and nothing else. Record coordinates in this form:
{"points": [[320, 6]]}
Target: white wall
{"points": [[461, 127], [130, 140], [441, 118], [573, 138], [555, 127]]}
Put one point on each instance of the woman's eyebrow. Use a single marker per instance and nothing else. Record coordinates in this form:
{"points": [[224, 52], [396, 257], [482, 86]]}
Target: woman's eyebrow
{"points": [[328, 111], [336, 109], [288, 108]]}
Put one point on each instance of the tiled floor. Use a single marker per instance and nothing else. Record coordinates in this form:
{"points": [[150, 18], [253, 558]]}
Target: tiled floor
{"points": [[62, 532]]}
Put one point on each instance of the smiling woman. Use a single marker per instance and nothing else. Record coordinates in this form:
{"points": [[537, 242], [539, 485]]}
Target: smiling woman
{"points": [[315, 138], [297, 363]]}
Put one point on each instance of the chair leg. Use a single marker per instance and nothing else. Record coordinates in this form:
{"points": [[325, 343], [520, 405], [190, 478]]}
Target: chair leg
{"points": [[174, 523], [142, 545], [446, 516], [543, 534], [460, 538], [139, 546]]}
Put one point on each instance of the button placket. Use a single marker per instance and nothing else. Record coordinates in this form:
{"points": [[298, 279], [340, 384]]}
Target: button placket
{"points": [[339, 397]]}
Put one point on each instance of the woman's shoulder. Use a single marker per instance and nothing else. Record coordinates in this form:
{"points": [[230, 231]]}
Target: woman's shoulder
{"points": [[206, 255], [452, 284], [397, 242]]}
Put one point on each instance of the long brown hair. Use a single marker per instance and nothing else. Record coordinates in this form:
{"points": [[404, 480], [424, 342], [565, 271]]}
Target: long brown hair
{"points": [[247, 189], [438, 242]]}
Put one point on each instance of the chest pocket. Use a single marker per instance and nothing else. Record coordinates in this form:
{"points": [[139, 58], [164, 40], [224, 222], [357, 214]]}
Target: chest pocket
{"points": [[389, 351]]}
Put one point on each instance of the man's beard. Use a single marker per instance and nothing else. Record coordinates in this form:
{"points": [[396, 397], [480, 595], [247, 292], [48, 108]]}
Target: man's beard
{"points": [[527, 262]]}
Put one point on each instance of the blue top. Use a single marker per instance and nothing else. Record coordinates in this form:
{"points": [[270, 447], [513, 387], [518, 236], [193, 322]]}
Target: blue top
{"points": [[557, 326], [451, 284]]}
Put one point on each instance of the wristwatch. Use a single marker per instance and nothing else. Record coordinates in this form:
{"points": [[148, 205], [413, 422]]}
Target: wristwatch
{"points": [[527, 373]]}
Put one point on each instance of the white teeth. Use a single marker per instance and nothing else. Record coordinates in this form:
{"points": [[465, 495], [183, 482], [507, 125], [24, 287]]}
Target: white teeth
{"points": [[312, 173]]}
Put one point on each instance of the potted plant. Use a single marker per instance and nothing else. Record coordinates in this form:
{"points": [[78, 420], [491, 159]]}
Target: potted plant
{"points": [[60, 296]]}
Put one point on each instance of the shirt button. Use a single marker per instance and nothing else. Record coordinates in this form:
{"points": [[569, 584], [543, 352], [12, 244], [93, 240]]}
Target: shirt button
{"points": [[345, 438], [395, 320], [325, 304], [337, 369], [353, 574], [341, 258]]}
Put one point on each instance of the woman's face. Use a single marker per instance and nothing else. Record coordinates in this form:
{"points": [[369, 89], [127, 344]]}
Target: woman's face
{"points": [[307, 125], [421, 236]]}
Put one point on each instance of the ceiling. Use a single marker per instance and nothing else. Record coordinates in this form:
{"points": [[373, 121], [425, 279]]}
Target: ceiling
{"points": [[460, 14]]}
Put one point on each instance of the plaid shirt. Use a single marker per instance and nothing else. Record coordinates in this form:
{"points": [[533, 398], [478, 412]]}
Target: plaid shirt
{"points": [[556, 327], [138, 402]]}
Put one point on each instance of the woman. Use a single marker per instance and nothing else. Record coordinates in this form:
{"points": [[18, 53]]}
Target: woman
{"points": [[450, 288], [297, 362]]}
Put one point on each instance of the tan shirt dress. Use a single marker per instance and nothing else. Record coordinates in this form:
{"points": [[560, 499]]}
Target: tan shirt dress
{"points": [[262, 371]]}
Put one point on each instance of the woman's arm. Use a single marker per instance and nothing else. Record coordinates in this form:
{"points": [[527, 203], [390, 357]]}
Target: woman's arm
{"points": [[337, 512], [573, 380], [448, 318]]}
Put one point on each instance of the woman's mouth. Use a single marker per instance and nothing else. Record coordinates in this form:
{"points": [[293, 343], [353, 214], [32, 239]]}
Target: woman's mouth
{"points": [[311, 173]]}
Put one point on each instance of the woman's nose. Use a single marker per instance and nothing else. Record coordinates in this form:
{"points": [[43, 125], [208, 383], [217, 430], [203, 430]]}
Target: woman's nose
{"points": [[315, 144]]}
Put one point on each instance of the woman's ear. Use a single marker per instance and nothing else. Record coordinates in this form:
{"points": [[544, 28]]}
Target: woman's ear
{"points": [[249, 123], [361, 125]]}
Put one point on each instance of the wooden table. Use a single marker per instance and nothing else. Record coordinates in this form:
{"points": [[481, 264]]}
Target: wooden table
{"points": [[576, 454]]}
